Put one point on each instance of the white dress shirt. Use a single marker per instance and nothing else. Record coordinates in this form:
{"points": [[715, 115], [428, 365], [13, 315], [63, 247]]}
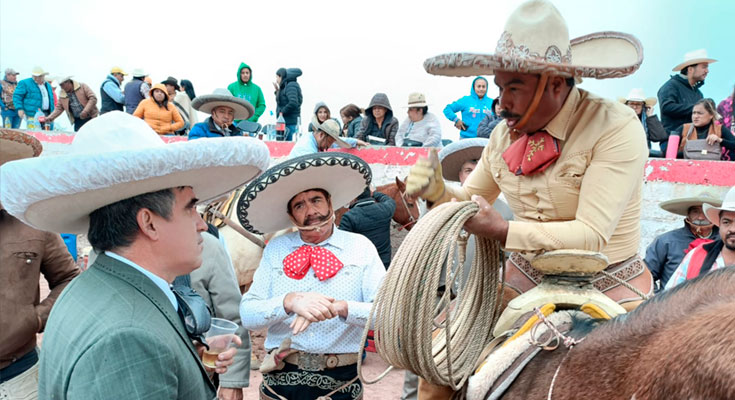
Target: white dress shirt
{"points": [[357, 283]]}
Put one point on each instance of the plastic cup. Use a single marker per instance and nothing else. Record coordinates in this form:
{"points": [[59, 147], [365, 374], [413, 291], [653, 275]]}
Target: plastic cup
{"points": [[218, 337]]}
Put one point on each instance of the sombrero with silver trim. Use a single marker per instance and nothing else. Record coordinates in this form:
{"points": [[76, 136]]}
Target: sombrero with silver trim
{"points": [[222, 97], [712, 211], [455, 154], [263, 206], [117, 156], [681, 205], [17, 145], [536, 40]]}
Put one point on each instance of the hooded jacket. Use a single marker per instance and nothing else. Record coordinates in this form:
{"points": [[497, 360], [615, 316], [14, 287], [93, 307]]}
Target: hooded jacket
{"points": [[369, 127], [248, 91], [676, 99], [316, 109], [473, 110], [163, 121], [289, 97]]}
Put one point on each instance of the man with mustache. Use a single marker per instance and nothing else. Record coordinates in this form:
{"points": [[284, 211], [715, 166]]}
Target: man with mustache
{"points": [[716, 254], [314, 288], [667, 251]]}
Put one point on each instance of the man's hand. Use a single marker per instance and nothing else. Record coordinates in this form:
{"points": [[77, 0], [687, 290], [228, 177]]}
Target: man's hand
{"points": [[425, 178], [649, 111], [459, 124], [83, 115], [21, 114], [341, 307], [361, 143], [487, 222], [224, 359], [299, 325], [229, 393], [312, 306]]}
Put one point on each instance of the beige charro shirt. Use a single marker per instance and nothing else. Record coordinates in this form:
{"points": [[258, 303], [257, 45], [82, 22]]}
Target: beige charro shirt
{"points": [[590, 198]]}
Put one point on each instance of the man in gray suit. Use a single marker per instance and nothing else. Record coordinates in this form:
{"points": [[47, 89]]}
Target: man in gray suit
{"points": [[118, 331]]}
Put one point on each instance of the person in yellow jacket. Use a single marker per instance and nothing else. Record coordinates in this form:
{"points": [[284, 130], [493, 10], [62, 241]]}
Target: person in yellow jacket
{"points": [[158, 112]]}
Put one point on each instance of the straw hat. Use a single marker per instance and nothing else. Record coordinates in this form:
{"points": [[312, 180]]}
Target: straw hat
{"points": [[681, 205], [117, 70], [638, 95], [417, 100], [694, 57], [712, 211], [331, 128], [38, 71], [16, 145], [536, 40], [117, 156], [453, 155], [263, 206], [222, 97]]}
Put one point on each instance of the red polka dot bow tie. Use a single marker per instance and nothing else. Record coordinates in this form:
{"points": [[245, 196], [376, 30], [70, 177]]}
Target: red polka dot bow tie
{"points": [[324, 263]]}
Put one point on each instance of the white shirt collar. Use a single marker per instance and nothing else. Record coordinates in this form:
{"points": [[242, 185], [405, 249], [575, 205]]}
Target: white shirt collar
{"points": [[336, 240], [157, 280]]}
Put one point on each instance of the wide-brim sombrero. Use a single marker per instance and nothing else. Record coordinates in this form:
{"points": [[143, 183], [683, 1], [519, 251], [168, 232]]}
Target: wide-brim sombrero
{"points": [[681, 205], [117, 156], [17, 145], [536, 40], [712, 210], [637, 94], [263, 206], [221, 97], [455, 154]]}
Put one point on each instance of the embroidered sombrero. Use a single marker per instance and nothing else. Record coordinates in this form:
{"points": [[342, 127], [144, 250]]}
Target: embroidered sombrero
{"points": [[222, 97], [16, 145], [263, 206], [117, 156], [453, 155], [712, 210], [536, 40], [681, 205]]}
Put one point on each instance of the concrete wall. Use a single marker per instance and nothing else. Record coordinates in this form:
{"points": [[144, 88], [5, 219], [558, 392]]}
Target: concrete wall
{"points": [[663, 179]]}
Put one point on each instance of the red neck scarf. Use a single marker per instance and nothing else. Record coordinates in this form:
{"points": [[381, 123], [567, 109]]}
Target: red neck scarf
{"points": [[324, 263], [531, 154]]}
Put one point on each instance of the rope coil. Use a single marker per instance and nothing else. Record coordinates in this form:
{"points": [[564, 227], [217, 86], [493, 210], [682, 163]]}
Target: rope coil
{"points": [[406, 306]]}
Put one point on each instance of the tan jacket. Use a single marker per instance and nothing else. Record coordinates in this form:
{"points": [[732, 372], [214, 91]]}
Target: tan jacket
{"points": [[86, 97], [589, 199], [25, 253]]}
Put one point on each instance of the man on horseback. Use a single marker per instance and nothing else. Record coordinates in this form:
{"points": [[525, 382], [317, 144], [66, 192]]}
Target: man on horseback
{"points": [[715, 254], [569, 163], [119, 330], [314, 288]]}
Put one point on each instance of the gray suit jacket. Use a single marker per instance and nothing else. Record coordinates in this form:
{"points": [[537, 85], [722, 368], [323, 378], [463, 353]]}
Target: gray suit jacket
{"points": [[113, 334]]}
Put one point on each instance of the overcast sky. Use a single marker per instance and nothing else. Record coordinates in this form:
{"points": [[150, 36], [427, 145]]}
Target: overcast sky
{"points": [[348, 50]]}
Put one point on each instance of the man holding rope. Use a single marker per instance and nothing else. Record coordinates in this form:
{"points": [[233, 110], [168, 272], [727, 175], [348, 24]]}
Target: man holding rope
{"points": [[314, 288], [569, 163]]}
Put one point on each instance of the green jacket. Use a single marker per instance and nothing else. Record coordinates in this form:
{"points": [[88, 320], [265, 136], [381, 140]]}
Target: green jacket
{"points": [[248, 91], [114, 334]]}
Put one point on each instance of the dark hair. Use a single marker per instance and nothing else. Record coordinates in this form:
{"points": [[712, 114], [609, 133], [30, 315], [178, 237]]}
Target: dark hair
{"points": [[570, 82], [188, 88], [424, 110], [322, 191], [164, 103], [115, 225], [351, 110]]}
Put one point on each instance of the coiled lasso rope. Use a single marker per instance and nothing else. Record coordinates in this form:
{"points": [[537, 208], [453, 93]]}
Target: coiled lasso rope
{"points": [[406, 306]]}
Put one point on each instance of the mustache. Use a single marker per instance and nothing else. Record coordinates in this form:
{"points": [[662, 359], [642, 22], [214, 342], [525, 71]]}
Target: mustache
{"points": [[700, 222], [507, 114], [315, 219]]}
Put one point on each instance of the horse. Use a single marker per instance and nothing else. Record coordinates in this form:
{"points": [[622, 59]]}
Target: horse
{"points": [[676, 345], [246, 254]]}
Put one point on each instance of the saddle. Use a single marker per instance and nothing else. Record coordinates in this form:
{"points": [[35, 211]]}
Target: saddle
{"points": [[224, 206]]}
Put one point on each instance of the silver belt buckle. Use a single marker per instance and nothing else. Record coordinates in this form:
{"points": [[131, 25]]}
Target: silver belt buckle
{"points": [[312, 362]]}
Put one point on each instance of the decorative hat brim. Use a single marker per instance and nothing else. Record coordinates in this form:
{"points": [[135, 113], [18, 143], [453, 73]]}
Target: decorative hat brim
{"points": [[58, 193], [17, 145], [455, 154], [206, 103], [600, 55], [682, 205], [263, 206]]}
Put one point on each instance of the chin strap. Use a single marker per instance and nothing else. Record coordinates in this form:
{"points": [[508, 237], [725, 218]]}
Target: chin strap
{"points": [[317, 227], [540, 87], [699, 228]]}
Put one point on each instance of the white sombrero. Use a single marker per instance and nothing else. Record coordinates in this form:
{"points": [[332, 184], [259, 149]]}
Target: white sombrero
{"points": [[263, 206], [536, 40], [117, 156], [681, 206], [453, 155], [712, 212], [17, 145], [693, 58], [638, 95], [222, 97]]}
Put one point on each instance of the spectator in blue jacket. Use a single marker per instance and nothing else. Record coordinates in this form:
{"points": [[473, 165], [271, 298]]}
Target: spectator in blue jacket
{"points": [[33, 94], [224, 109], [472, 107], [111, 92]]}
